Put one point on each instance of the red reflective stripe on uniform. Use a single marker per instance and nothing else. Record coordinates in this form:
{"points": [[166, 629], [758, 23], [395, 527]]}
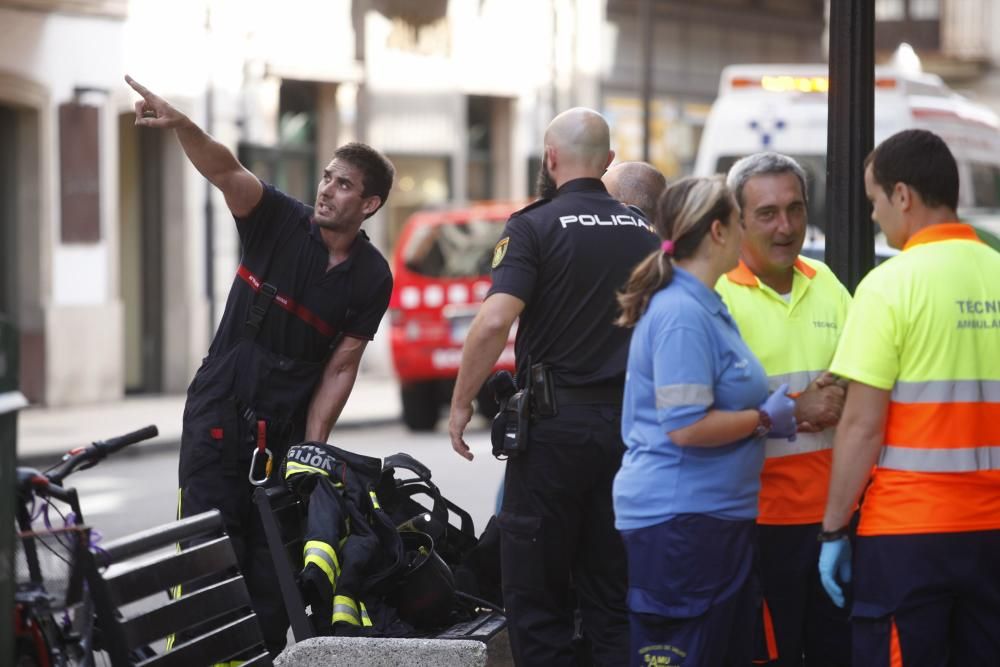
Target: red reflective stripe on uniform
{"points": [[298, 310], [793, 488], [943, 424], [895, 651], [900, 502], [769, 638]]}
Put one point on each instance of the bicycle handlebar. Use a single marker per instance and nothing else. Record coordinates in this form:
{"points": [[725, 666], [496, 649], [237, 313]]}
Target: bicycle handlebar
{"points": [[112, 445], [85, 457]]}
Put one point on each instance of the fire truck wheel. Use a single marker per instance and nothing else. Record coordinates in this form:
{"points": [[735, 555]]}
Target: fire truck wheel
{"points": [[420, 406]]}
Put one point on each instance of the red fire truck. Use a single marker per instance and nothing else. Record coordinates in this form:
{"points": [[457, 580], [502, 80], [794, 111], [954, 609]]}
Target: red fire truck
{"points": [[441, 269]]}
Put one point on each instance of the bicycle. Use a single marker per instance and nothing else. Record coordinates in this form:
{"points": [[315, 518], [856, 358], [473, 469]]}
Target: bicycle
{"points": [[53, 613]]}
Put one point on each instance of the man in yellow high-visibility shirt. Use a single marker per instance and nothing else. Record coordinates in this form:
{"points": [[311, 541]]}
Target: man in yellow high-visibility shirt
{"points": [[921, 348], [790, 311]]}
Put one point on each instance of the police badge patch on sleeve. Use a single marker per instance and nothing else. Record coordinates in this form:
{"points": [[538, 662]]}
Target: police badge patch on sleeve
{"points": [[500, 251]]}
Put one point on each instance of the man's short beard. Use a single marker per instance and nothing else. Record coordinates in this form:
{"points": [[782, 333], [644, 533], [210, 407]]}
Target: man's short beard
{"points": [[545, 184]]}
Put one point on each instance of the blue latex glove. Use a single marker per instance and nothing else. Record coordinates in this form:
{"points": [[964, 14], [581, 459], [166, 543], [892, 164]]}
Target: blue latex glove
{"points": [[781, 409], [835, 563]]}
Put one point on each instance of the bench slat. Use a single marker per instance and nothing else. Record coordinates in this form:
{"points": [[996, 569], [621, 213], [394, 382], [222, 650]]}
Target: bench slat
{"points": [[220, 645], [168, 570], [187, 611], [481, 628]]}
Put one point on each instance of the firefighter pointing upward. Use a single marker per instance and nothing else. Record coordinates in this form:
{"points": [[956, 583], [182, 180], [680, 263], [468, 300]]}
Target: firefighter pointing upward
{"points": [[307, 298], [556, 520], [924, 407]]}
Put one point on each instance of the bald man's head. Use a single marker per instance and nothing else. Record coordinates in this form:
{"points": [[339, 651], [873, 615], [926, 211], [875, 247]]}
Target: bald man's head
{"points": [[635, 183], [577, 145]]}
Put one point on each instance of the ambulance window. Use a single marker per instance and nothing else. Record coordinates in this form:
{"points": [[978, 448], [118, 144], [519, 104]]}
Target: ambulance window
{"points": [[925, 89], [985, 185], [453, 250]]}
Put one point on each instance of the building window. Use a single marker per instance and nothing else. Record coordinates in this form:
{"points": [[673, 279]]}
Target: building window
{"points": [[985, 186], [422, 181], [534, 166], [80, 173], [925, 10], [890, 10], [291, 165], [479, 126]]}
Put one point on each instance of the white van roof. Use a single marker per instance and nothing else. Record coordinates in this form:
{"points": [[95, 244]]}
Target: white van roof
{"points": [[783, 107], [790, 78]]}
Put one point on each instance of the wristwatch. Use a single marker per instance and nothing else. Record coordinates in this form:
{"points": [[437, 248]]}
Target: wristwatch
{"points": [[763, 424], [832, 535]]}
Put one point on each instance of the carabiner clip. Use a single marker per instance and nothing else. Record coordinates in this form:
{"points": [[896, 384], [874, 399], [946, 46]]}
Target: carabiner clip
{"points": [[267, 467]]}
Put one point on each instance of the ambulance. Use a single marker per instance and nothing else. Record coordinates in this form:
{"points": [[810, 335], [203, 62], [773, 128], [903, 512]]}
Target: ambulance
{"points": [[784, 108]]}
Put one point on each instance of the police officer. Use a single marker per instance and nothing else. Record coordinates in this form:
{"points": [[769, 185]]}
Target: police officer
{"points": [[308, 296], [635, 184], [558, 266]]}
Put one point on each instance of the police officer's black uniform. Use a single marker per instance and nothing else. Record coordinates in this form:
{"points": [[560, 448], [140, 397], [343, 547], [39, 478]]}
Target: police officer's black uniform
{"points": [[284, 315], [566, 258]]}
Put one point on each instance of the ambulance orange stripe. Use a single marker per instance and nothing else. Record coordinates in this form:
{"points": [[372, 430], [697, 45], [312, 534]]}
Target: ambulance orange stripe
{"points": [[793, 489], [895, 651], [943, 424], [900, 502], [772, 642]]}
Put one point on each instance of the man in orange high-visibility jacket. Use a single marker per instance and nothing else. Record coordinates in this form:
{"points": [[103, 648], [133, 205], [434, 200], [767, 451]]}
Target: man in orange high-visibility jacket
{"points": [[922, 350], [790, 311]]}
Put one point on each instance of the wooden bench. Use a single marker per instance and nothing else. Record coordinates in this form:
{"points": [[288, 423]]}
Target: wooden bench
{"points": [[218, 614]]}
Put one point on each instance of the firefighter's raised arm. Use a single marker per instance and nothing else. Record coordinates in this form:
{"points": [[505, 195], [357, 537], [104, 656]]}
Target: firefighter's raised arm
{"points": [[240, 187]]}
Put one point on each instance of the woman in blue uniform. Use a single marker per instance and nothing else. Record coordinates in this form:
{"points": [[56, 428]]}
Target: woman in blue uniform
{"points": [[695, 412]]}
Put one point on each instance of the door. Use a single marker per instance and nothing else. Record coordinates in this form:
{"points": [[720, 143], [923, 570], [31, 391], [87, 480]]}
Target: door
{"points": [[141, 255]]}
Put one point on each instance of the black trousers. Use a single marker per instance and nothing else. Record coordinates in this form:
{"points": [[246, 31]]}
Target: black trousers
{"points": [[808, 628], [558, 537], [212, 477], [929, 600]]}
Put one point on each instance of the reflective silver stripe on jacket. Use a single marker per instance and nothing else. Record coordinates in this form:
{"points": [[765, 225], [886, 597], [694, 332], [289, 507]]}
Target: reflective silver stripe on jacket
{"points": [[345, 610], [797, 381], [324, 557], [346, 614], [965, 459], [673, 395], [947, 391], [805, 443]]}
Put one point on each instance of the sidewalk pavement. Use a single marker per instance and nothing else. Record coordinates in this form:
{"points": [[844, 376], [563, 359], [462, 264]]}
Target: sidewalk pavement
{"points": [[43, 434]]}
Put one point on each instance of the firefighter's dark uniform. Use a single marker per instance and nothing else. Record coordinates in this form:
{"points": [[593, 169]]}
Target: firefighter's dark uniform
{"points": [[284, 314], [566, 258]]}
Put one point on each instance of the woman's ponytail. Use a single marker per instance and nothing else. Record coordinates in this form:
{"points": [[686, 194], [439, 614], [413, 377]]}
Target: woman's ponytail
{"points": [[650, 276], [684, 215]]}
